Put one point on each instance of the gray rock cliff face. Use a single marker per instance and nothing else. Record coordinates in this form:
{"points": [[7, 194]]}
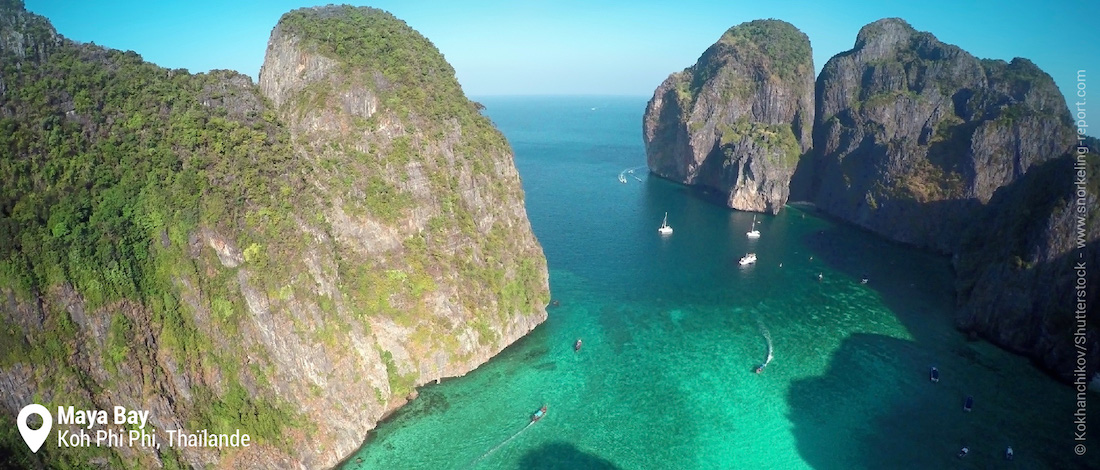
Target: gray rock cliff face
{"points": [[925, 144], [1018, 264], [913, 135], [452, 210], [23, 36], [738, 121]]}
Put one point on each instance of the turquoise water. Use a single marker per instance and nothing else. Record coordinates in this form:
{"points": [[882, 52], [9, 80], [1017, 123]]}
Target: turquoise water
{"points": [[673, 327]]}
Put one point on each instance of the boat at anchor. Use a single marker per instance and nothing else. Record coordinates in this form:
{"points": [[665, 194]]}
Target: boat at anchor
{"points": [[753, 232], [665, 229]]}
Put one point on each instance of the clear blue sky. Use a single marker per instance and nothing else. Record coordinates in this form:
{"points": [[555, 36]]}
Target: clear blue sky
{"points": [[588, 47]]}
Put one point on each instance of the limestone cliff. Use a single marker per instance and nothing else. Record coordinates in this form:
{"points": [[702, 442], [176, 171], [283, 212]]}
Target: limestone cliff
{"points": [[1018, 264], [291, 263], [914, 139], [738, 121], [913, 136]]}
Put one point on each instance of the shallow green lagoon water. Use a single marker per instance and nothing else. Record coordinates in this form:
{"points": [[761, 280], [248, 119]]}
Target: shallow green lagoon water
{"points": [[672, 328]]}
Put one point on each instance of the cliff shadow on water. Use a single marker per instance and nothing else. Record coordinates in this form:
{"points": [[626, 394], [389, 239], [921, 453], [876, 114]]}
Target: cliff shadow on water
{"points": [[561, 455], [899, 419], [894, 385], [910, 422]]}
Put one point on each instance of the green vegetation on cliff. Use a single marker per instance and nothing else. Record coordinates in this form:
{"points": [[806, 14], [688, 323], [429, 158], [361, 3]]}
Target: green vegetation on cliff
{"points": [[173, 241], [109, 163], [444, 135], [776, 140], [776, 47], [379, 52], [778, 43], [739, 119], [369, 39]]}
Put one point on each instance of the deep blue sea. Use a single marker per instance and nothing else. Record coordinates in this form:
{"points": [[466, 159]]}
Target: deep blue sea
{"points": [[672, 328]]}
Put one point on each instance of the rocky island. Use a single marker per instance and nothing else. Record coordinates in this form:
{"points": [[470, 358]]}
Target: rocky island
{"points": [[913, 139], [913, 136], [290, 259], [925, 144], [738, 121]]}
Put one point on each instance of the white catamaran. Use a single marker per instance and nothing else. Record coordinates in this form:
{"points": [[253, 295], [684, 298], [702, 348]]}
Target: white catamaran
{"points": [[665, 229], [753, 233]]}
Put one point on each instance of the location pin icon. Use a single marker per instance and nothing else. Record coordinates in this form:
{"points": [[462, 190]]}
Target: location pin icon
{"points": [[35, 437]]}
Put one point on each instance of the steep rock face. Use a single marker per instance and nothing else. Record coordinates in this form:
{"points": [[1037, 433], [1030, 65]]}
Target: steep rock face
{"points": [[912, 135], [414, 181], [1018, 264], [175, 243], [23, 36], [738, 121]]}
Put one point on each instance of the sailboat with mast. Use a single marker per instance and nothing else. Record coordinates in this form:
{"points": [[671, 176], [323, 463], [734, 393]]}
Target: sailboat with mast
{"points": [[753, 232], [665, 229]]}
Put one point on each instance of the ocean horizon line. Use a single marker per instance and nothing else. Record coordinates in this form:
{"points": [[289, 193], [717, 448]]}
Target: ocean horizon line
{"points": [[555, 95]]}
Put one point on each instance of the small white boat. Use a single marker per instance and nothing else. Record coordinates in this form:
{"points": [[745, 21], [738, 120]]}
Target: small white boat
{"points": [[753, 233], [1008, 453], [665, 229], [749, 258]]}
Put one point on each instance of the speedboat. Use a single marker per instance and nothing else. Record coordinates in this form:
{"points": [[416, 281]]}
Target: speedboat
{"points": [[963, 452], [577, 345], [539, 414], [665, 229], [749, 258], [1008, 453], [934, 375], [969, 403], [759, 368]]}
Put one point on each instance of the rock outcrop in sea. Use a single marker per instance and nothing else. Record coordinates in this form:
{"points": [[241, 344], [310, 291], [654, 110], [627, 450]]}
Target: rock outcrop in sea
{"points": [[913, 136], [923, 143], [913, 139], [290, 259], [738, 121]]}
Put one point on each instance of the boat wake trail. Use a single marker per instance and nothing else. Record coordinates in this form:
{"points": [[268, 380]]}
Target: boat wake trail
{"points": [[768, 338], [502, 444], [630, 171]]}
